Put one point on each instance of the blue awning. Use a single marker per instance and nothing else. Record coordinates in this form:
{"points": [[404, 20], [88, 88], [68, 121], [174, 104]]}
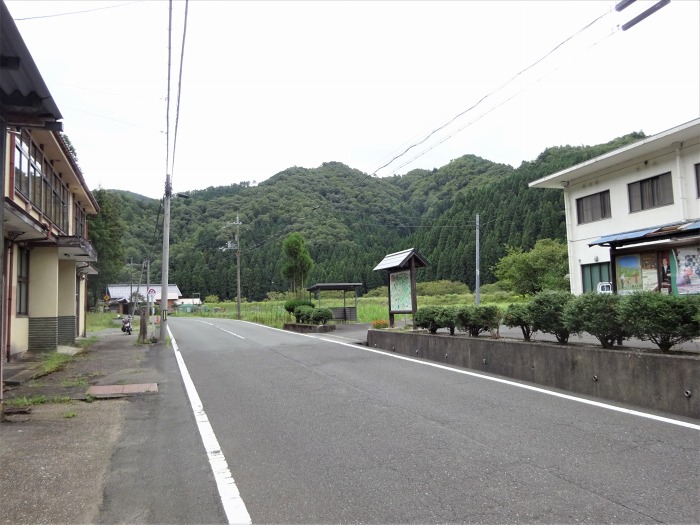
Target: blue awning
{"points": [[649, 234]]}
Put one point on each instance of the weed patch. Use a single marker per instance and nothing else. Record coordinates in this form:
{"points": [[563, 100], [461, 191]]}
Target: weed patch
{"points": [[53, 362], [74, 382], [36, 400]]}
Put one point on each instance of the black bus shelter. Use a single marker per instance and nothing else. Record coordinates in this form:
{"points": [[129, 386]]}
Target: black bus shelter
{"points": [[344, 313]]}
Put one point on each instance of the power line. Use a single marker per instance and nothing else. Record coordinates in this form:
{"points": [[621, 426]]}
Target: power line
{"points": [[179, 89], [167, 109], [493, 91], [517, 93], [76, 12]]}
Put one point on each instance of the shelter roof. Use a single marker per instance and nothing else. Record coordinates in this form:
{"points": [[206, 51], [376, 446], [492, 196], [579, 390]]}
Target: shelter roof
{"points": [[23, 91], [630, 153], [402, 259], [658, 233], [333, 286]]}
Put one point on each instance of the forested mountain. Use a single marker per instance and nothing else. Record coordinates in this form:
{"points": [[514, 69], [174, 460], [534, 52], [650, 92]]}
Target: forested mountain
{"points": [[350, 220]]}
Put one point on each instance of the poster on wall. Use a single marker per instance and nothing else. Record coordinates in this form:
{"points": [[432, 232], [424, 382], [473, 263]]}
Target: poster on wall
{"points": [[629, 274], [650, 277], [400, 292], [666, 271], [687, 275]]}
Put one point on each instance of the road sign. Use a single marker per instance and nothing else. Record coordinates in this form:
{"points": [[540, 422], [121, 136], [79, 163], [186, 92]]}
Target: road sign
{"points": [[151, 291]]}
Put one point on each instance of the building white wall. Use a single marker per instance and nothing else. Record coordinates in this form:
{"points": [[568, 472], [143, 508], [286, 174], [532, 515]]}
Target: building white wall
{"points": [[679, 160]]}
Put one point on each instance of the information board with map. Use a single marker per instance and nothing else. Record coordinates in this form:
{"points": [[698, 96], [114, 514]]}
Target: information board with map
{"points": [[400, 292]]}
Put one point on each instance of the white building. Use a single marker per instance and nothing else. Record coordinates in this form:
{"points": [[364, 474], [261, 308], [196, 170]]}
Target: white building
{"points": [[633, 215]]}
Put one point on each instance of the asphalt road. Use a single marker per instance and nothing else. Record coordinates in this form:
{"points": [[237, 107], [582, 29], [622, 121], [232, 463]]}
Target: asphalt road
{"points": [[159, 472], [316, 431]]}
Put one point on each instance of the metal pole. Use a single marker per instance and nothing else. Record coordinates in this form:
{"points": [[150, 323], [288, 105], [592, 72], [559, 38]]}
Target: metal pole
{"points": [[238, 265], [166, 260], [478, 271]]}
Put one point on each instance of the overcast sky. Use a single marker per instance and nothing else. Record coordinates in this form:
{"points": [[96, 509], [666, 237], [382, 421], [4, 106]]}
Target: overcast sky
{"points": [[270, 85]]}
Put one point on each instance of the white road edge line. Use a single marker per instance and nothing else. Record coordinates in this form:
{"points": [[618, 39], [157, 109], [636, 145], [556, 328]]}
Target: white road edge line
{"points": [[498, 380], [234, 507]]}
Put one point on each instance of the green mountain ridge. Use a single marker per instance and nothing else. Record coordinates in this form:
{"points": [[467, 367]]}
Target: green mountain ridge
{"points": [[350, 220]]}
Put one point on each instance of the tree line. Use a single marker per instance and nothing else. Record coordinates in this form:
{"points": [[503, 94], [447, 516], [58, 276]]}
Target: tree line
{"points": [[347, 219]]}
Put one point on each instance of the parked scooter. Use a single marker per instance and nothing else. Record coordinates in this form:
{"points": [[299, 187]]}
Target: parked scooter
{"points": [[126, 325]]}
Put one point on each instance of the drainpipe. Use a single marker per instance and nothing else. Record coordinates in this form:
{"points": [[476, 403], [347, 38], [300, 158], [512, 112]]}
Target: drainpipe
{"points": [[8, 292], [679, 177]]}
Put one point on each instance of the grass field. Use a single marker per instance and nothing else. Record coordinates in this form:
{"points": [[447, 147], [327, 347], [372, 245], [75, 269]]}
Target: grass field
{"points": [[272, 313]]}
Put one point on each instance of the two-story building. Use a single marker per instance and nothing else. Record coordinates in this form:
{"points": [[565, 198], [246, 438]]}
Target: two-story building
{"points": [[46, 255], [633, 215]]}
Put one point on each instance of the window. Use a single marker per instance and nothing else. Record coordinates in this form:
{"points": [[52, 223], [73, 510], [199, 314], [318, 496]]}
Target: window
{"points": [[593, 274], [79, 221], [651, 193], [22, 281], [594, 207], [697, 179]]}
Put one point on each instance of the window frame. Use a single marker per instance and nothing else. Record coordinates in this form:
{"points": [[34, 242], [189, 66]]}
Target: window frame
{"points": [[602, 199], [650, 188], [22, 301]]}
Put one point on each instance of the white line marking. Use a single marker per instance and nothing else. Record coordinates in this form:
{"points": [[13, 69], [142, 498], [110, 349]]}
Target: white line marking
{"points": [[497, 380], [219, 328], [234, 507]]}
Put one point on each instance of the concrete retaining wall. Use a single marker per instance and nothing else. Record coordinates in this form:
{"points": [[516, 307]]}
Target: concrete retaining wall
{"points": [[309, 328], [669, 383]]}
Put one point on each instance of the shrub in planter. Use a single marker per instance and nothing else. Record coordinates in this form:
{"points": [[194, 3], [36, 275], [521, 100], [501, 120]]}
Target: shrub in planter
{"points": [[292, 304], [380, 323], [469, 320], [518, 314], [596, 314], [427, 318], [547, 313], [491, 317], [446, 317], [665, 320], [303, 314], [321, 315]]}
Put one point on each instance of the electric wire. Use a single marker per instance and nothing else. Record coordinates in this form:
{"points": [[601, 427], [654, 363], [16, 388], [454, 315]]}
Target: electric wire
{"points": [[167, 110], [506, 83], [179, 91], [76, 12], [514, 95]]}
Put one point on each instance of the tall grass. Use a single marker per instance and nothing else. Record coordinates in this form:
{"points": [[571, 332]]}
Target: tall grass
{"points": [[369, 309]]}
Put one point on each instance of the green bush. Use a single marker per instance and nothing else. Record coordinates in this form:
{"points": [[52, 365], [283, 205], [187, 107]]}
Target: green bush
{"points": [[321, 315], [518, 314], [475, 319], [427, 318], [547, 313], [303, 313], [665, 320], [291, 305], [211, 299], [447, 318], [596, 314]]}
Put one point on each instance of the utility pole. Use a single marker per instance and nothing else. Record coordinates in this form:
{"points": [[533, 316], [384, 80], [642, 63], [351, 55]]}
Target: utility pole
{"points": [[131, 286], [238, 265], [166, 260], [478, 271], [236, 245]]}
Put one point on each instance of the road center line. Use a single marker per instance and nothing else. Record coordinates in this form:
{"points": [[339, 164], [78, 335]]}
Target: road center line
{"points": [[497, 380], [223, 330], [234, 507]]}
